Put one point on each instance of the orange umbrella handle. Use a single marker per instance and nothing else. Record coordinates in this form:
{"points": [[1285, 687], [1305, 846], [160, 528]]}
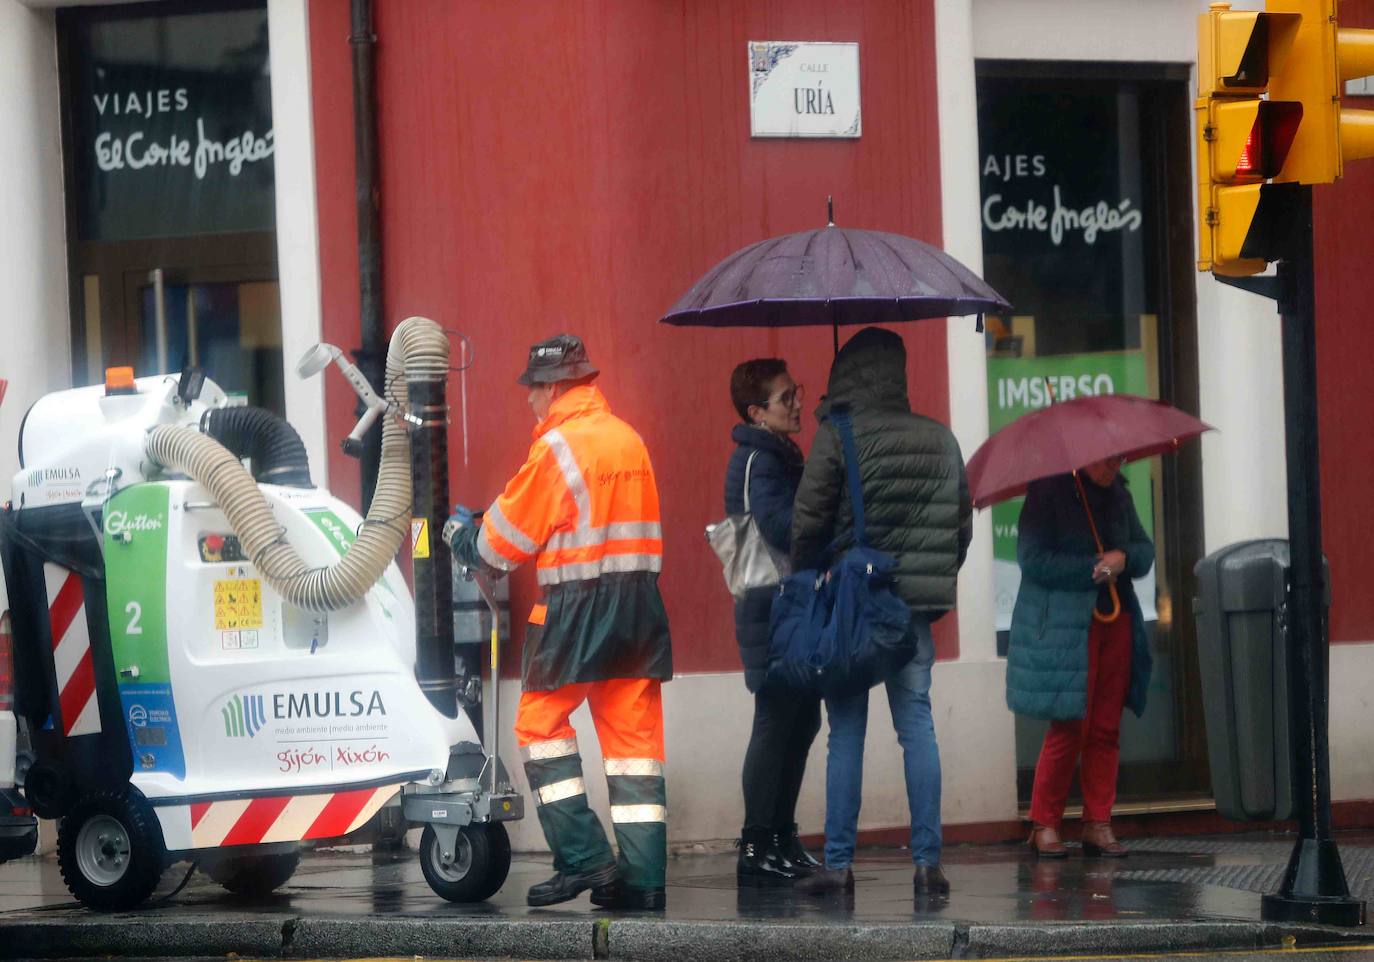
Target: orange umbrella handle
{"points": [[1115, 613]]}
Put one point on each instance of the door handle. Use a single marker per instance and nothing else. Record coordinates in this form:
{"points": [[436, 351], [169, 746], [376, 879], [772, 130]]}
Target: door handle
{"points": [[159, 317]]}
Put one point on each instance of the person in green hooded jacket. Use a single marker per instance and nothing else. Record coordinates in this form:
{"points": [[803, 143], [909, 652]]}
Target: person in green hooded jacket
{"points": [[917, 509]]}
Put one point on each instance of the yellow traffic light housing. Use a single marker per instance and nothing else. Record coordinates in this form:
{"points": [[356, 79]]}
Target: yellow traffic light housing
{"points": [[1322, 57], [1242, 139], [1238, 51]]}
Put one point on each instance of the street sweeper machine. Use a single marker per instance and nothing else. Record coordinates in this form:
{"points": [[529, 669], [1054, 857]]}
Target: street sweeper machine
{"points": [[222, 663]]}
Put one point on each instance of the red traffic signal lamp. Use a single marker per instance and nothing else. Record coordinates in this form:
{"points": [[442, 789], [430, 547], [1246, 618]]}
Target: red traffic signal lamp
{"points": [[1248, 140]]}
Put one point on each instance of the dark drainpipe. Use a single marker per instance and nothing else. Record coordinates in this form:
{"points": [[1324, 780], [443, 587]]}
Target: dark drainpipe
{"points": [[371, 356]]}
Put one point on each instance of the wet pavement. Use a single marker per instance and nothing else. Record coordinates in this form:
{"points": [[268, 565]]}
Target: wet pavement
{"points": [[1169, 895]]}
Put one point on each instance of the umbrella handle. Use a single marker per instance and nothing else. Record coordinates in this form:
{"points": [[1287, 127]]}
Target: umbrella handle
{"points": [[1115, 613]]}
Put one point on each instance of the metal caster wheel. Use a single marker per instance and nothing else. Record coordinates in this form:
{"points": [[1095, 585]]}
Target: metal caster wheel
{"points": [[476, 868]]}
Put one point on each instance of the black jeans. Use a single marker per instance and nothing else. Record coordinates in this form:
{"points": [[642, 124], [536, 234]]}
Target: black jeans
{"points": [[785, 725]]}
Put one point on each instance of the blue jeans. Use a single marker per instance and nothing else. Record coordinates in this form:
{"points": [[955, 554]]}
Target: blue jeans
{"points": [[908, 695]]}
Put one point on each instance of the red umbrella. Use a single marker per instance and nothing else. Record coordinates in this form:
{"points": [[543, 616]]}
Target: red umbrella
{"points": [[1072, 434]]}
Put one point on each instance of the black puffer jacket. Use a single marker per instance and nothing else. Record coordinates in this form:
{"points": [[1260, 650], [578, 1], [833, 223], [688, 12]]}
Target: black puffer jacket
{"points": [[773, 481], [916, 496]]}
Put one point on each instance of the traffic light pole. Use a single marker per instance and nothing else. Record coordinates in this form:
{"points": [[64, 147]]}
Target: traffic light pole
{"points": [[1314, 887]]}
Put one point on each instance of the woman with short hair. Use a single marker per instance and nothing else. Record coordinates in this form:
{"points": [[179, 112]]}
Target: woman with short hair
{"points": [[769, 404]]}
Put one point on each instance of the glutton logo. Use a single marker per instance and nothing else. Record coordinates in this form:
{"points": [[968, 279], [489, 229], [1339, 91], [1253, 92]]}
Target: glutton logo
{"points": [[119, 522], [243, 716]]}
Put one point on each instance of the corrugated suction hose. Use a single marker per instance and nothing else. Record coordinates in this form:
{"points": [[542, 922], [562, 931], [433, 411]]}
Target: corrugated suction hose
{"points": [[418, 352], [272, 446]]}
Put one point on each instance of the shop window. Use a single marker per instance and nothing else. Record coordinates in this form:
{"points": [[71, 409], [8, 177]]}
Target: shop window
{"points": [[171, 197]]}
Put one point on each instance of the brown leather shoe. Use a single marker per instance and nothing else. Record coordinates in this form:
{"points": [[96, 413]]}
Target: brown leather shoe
{"points": [[825, 880], [1046, 843], [1099, 842]]}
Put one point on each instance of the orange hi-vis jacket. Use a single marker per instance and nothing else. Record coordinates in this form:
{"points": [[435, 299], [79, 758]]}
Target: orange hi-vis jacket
{"points": [[585, 507]]}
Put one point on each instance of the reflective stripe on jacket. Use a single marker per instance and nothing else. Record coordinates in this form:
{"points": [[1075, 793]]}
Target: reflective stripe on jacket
{"points": [[585, 507]]}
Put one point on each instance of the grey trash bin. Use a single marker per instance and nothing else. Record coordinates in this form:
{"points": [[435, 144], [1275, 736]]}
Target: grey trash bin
{"points": [[1243, 641]]}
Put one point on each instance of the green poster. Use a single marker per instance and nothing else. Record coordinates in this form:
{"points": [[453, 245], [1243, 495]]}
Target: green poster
{"points": [[1018, 385]]}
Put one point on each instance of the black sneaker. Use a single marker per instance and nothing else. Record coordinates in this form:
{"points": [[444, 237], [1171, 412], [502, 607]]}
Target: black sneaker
{"points": [[627, 897], [563, 888]]}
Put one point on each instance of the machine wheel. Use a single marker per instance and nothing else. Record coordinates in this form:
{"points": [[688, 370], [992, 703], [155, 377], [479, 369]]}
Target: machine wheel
{"points": [[254, 875], [110, 851], [479, 866]]}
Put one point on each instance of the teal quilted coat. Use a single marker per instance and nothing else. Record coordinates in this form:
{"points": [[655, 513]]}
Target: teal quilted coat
{"points": [[1047, 659]]}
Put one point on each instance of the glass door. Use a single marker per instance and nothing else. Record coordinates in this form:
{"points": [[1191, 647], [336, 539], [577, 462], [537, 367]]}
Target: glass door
{"points": [[1085, 183], [230, 328]]}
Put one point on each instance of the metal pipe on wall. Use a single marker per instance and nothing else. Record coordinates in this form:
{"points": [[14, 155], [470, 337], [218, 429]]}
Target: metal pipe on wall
{"points": [[371, 354]]}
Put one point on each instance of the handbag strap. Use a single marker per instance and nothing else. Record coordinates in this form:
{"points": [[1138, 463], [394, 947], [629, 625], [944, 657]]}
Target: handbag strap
{"points": [[748, 465], [839, 417]]}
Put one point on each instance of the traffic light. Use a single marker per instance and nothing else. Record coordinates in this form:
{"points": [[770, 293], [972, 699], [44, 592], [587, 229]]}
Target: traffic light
{"points": [[1243, 140], [1323, 56]]}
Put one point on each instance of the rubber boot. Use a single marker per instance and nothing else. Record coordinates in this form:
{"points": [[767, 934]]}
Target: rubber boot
{"points": [[639, 814], [795, 851], [581, 852], [760, 861]]}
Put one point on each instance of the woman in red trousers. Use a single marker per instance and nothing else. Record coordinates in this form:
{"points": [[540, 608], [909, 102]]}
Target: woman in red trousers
{"points": [[1078, 652]]}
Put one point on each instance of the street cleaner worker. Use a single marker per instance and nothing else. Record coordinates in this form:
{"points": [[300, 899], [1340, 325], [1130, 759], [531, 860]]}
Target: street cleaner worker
{"points": [[585, 507]]}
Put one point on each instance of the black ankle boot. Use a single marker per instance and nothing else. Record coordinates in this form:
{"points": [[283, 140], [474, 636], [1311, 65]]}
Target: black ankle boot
{"points": [[795, 851], [761, 863]]}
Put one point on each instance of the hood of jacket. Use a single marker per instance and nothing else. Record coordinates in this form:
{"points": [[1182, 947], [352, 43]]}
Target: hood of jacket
{"points": [[869, 373]]}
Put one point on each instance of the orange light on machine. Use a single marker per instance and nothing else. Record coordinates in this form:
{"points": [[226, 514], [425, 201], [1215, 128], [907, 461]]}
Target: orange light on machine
{"points": [[120, 380]]}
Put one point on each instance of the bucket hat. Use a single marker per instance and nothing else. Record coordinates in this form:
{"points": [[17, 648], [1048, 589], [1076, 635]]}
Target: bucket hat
{"points": [[562, 357]]}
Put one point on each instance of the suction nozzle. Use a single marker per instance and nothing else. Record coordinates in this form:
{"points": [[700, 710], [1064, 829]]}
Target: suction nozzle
{"points": [[316, 360]]}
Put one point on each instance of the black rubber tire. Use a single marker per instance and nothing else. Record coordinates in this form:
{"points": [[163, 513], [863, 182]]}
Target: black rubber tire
{"points": [[253, 876], [488, 863], [120, 874]]}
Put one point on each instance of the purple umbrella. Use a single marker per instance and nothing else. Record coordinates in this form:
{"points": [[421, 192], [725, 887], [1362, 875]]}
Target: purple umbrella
{"points": [[834, 276]]}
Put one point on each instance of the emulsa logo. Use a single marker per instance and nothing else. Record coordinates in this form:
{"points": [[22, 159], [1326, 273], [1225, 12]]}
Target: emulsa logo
{"points": [[358, 703], [245, 714]]}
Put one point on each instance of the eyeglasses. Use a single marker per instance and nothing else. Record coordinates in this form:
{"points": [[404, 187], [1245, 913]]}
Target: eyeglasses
{"points": [[791, 396]]}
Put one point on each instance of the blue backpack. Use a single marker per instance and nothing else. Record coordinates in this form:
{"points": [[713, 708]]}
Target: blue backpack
{"points": [[843, 630]]}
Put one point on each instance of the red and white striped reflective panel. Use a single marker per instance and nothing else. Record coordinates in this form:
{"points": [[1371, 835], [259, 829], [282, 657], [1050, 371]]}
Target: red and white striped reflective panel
{"points": [[71, 651], [286, 818]]}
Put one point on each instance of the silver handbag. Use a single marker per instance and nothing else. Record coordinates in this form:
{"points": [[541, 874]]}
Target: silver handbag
{"points": [[747, 559]]}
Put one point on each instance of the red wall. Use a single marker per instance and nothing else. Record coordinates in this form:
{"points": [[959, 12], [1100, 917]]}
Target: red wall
{"points": [[1345, 391], [577, 169]]}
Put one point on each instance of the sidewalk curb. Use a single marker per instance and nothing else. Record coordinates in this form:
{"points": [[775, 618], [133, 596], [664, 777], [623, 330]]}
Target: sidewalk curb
{"points": [[80, 936]]}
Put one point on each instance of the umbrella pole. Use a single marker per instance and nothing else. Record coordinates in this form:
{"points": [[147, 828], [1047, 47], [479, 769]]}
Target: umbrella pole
{"points": [[1115, 613], [835, 335]]}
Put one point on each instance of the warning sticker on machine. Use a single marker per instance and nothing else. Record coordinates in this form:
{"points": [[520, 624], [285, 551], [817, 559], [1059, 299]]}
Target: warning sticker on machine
{"points": [[238, 604], [419, 537]]}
